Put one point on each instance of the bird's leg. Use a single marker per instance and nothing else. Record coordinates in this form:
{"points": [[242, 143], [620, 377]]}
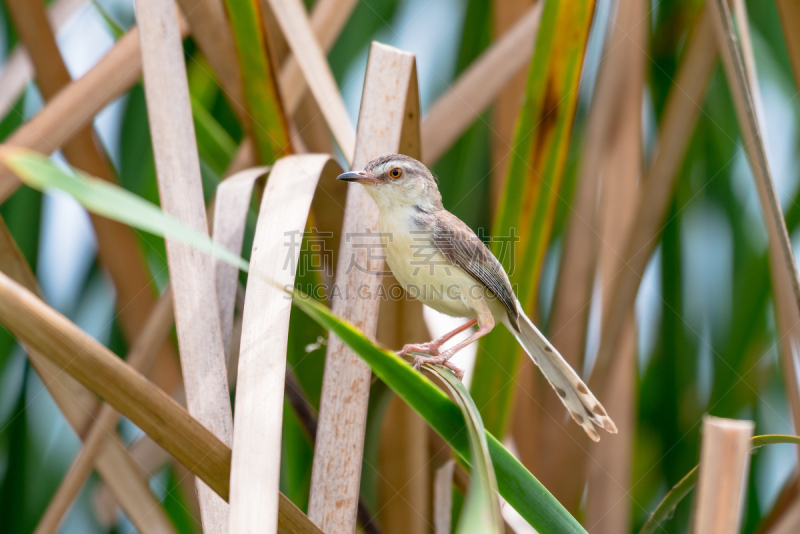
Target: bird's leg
{"points": [[485, 325], [432, 347]]}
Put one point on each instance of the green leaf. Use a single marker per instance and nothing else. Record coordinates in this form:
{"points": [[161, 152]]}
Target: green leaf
{"points": [[214, 144], [267, 124], [515, 483], [482, 509], [687, 483], [528, 205], [109, 200]]}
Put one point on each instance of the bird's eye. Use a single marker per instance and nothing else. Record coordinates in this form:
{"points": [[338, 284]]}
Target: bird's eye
{"points": [[396, 173]]}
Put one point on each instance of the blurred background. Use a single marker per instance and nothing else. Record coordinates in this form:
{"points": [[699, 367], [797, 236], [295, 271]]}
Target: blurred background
{"points": [[706, 337]]}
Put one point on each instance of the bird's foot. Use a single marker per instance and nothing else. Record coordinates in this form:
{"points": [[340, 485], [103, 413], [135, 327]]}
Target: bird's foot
{"points": [[429, 348], [442, 359]]}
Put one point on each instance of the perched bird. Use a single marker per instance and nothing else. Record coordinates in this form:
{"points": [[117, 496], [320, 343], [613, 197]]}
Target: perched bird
{"points": [[441, 262]]}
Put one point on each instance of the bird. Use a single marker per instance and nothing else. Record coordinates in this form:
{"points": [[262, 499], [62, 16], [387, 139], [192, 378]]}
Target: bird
{"points": [[440, 261]]}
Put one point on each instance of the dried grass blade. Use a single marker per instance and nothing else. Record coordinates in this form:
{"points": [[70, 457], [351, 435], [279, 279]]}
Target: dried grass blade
{"points": [[679, 117], [77, 104], [74, 352], [191, 273], [788, 314], [327, 21], [255, 467], [388, 122], [17, 70], [786, 281], [739, 83], [155, 332], [78, 405], [722, 479], [231, 205], [479, 85], [292, 18]]}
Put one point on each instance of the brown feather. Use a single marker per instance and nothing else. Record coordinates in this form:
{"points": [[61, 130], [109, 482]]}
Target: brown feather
{"points": [[459, 244]]}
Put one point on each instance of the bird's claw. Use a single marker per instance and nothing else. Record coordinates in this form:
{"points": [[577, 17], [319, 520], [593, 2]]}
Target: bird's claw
{"points": [[425, 348], [443, 360]]}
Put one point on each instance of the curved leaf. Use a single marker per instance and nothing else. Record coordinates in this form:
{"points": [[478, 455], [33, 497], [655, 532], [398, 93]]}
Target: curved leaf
{"points": [[481, 509]]}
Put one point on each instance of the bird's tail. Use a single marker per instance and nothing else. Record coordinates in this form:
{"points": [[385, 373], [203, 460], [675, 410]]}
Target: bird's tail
{"points": [[581, 404]]}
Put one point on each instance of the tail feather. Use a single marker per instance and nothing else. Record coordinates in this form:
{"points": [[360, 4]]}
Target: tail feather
{"points": [[584, 408]]}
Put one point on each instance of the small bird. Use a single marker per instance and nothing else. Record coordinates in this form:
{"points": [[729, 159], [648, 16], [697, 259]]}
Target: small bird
{"points": [[440, 261]]}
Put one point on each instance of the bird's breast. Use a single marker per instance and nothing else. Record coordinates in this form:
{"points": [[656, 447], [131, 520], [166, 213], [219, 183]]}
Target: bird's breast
{"points": [[422, 269]]}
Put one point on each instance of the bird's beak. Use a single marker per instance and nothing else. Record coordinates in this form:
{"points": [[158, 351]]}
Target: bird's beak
{"points": [[360, 177]]}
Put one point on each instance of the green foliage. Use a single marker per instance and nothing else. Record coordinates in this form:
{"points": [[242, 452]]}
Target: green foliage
{"points": [[267, 123]]}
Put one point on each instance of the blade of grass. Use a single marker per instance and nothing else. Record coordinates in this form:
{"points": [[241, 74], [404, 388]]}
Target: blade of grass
{"points": [[475, 90], [118, 248], [17, 70], [256, 462], [327, 21], [722, 478], [77, 104], [481, 508], [388, 122], [155, 332], [79, 405], [786, 281], [180, 188], [292, 18], [531, 191], [184, 438], [232, 200], [266, 125]]}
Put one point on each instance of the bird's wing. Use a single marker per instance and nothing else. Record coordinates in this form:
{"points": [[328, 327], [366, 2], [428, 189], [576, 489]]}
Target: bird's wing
{"points": [[463, 248]]}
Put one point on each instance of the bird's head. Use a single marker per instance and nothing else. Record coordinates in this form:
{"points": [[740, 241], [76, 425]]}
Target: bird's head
{"points": [[396, 181]]}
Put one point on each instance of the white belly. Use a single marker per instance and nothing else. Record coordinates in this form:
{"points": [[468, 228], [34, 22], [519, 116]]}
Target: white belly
{"points": [[425, 273]]}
